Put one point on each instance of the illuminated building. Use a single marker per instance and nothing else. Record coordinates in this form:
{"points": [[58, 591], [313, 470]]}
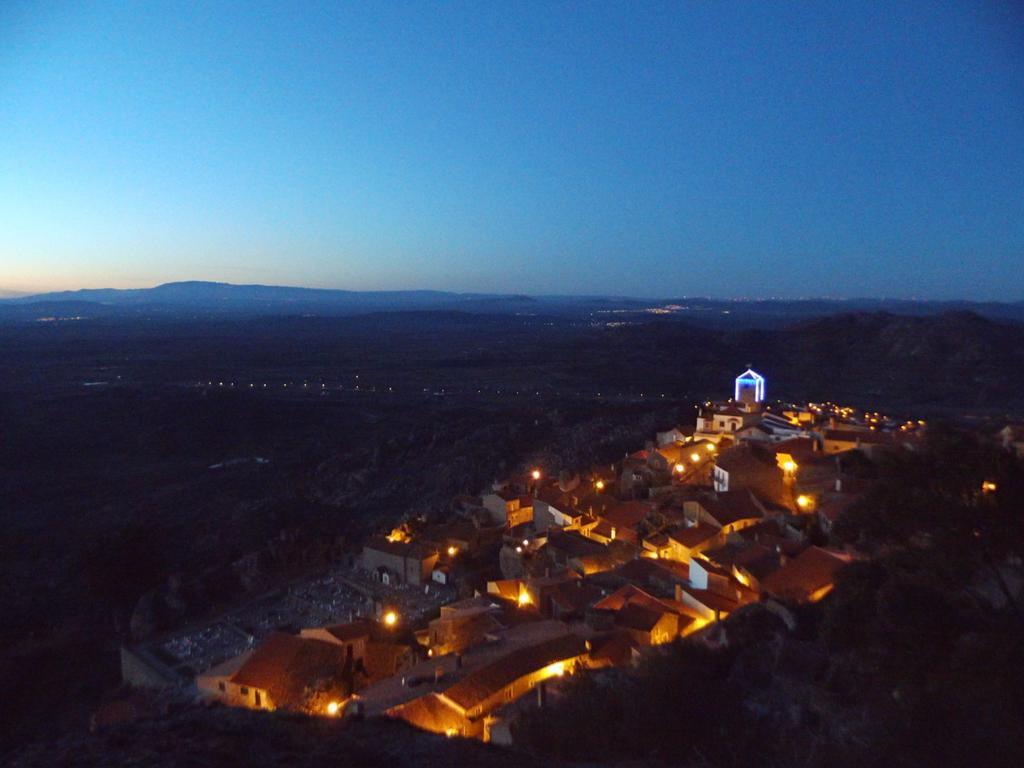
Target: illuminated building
{"points": [[749, 387]]}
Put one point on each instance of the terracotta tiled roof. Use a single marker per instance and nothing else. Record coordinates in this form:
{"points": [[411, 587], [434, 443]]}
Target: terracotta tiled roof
{"points": [[867, 437], [746, 458], [729, 507], [758, 560], [691, 536], [430, 713], [709, 567], [638, 570], [614, 648], [627, 514], [556, 497], [631, 595], [484, 683], [285, 665], [573, 544], [800, 448], [574, 596], [639, 617], [713, 601], [769, 535], [801, 577], [349, 632]]}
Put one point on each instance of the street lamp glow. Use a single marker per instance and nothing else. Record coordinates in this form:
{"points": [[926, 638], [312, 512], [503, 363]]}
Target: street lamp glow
{"points": [[535, 474], [599, 485], [452, 551], [694, 457], [803, 501], [680, 468], [332, 708], [390, 618]]}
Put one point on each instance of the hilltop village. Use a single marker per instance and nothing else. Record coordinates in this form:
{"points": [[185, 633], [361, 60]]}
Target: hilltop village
{"points": [[461, 623]]}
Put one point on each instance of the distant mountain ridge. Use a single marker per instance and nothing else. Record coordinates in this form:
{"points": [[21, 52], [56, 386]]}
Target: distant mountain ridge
{"points": [[201, 296], [199, 291], [197, 296]]}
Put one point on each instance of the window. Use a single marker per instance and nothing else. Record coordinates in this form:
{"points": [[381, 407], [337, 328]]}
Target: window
{"points": [[259, 701], [223, 688], [244, 690]]}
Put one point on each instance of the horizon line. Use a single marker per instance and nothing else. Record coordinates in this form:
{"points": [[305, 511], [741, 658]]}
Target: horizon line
{"points": [[20, 294]]}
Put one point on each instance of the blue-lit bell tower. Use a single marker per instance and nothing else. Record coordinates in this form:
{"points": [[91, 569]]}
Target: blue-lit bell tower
{"points": [[749, 387]]}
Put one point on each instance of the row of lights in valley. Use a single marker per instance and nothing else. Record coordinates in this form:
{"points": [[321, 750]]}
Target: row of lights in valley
{"points": [[441, 390]]}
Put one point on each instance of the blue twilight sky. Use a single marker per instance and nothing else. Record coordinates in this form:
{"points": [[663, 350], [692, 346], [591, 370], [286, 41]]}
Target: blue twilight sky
{"points": [[686, 148]]}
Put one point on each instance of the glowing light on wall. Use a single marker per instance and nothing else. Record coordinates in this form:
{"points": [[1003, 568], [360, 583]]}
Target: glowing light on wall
{"points": [[556, 670]]}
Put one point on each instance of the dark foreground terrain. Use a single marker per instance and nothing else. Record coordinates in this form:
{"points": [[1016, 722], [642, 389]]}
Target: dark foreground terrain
{"points": [[129, 445], [915, 659], [211, 738]]}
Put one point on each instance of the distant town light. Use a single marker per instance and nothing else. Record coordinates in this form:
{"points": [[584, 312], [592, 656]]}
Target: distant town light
{"points": [[680, 468], [535, 474], [452, 551], [694, 457], [711, 447], [390, 618], [599, 485], [988, 487], [332, 708], [803, 501]]}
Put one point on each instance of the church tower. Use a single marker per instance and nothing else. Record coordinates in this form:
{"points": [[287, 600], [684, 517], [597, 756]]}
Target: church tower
{"points": [[749, 388]]}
